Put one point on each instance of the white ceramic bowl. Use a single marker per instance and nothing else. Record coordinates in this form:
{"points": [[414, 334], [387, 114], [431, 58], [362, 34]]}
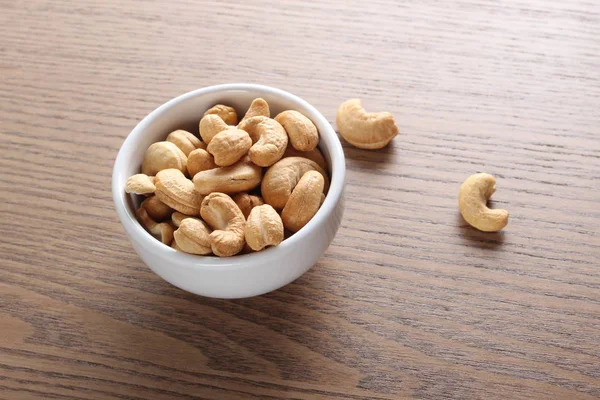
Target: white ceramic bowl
{"points": [[244, 275]]}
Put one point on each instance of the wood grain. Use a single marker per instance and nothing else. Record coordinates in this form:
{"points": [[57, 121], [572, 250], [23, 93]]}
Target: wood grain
{"points": [[408, 302]]}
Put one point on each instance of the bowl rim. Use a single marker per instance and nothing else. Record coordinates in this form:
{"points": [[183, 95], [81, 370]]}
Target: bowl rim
{"points": [[133, 227]]}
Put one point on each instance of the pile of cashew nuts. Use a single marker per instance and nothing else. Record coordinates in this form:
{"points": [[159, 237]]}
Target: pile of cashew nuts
{"points": [[240, 187]]}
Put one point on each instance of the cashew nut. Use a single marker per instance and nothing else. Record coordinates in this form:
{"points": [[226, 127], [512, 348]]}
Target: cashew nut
{"points": [[227, 114], [177, 218], [193, 236], [263, 228], [162, 231], [258, 107], [282, 177], [314, 155], [163, 155], [269, 138], [199, 160], [177, 191], [140, 184], [362, 129], [472, 198], [157, 210], [302, 132], [229, 146], [239, 177], [225, 217], [246, 202], [304, 202], [186, 141], [210, 125]]}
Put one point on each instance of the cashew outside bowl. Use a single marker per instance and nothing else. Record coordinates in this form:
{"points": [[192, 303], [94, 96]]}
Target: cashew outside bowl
{"points": [[474, 193], [365, 130], [241, 275]]}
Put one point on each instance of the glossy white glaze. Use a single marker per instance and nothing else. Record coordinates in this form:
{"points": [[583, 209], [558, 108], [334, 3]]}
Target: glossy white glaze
{"points": [[239, 276]]}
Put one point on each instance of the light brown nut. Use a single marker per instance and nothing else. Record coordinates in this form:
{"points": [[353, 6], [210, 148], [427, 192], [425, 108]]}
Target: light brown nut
{"points": [[314, 155], [246, 202], [258, 107], [303, 134], [200, 160], [263, 228], [227, 114], [304, 202], [193, 236], [210, 125], [269, 138], [472, 198], [222, 214], [140, 184], [281, 179], [157, 210], [185, 140], [177, 218], [162, 231], [239, 177], [177, 191], [229, 146], [163, 155], [365, 130]]}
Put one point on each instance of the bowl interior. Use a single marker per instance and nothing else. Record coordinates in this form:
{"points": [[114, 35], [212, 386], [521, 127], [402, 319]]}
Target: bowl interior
{"points": [[185, 112]]}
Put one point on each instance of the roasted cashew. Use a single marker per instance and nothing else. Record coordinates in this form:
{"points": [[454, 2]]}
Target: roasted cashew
{"points": [[362, 129], [177, 218], [210, 125], [157, 210], [304, 202], [269, 138], [263, 228], [224, 216], [163, 155], [246, 202], [472, 198], [193, 236], [258, 107], [177, 191], [200, 160], [229, 146], [239, 177], [227, 114], [314, 155], [282, 177], [162, 231], [140, 184], [186, 141], [303, 134]]}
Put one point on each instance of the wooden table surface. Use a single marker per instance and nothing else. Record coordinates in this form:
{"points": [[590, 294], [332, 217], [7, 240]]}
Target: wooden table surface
{"points": [[408, 302]]}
